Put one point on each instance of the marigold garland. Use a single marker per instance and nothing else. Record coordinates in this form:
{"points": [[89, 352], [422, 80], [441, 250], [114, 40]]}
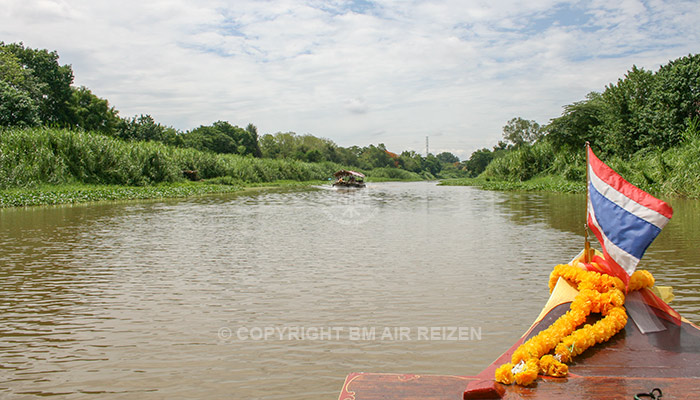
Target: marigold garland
{"points": [[549, 365], [598, 293]]}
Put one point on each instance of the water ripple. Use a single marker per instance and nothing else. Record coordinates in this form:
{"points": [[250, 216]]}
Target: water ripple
{"points": [[129, 299]]}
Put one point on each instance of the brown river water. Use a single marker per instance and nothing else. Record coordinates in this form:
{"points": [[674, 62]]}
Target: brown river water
{"points": [[281, 294]]}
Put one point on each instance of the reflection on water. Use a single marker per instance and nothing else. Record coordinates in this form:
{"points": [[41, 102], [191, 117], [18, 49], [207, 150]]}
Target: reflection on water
{"points": [[673, 257], [146, 299]]}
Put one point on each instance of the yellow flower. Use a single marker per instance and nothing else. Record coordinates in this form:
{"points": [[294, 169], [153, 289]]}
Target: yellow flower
{"points": [[504, 374], [529, 374], [640, 279], [552, 367]]}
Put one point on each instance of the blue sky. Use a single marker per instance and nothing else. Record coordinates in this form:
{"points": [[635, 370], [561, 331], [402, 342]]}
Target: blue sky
{"points": [[356, 72]]}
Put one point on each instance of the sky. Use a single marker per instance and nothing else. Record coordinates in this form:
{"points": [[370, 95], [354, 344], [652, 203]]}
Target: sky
{"points": [[357, 72]]}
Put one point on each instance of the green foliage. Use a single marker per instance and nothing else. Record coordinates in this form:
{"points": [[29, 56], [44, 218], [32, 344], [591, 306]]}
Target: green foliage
{"points": [[675, 171], [222, 137], [80, 193], [45, 81], [432, 165], [522, 163], [92, 113], [642, 110], [546, 183], [30, 157], [692, 130], [411, 161], [625, 115], [519, 131], [478, 161], [577, 125], [447, 158], [145, 128], [675, 99], [306, 148], [252, 141], [16, 107], [394, 174]]}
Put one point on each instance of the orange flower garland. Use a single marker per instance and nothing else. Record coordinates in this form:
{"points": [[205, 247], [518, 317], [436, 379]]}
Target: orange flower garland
{"points": [[598, 293], [549, 365]]}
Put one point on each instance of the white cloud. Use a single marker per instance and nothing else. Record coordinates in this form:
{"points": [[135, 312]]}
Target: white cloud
{"points": [[347, 70]]}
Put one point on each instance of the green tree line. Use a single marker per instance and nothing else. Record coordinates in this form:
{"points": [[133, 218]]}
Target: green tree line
{"points": [[35, 90], [647, 124]]}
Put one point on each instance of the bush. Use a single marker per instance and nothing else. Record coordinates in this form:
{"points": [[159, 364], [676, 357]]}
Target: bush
{"points": [[522, 164], [394, 174], [34, 156]]}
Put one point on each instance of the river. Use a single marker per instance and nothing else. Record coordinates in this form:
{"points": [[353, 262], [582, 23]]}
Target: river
{"points": [[281, 293]]}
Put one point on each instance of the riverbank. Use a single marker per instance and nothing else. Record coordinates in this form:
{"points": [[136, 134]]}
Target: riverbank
{"points": [[674, 172], [554, 184], [669, 187], [84, 193], [41, 166]]}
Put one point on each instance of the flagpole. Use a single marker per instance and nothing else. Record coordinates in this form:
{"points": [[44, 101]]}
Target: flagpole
{"points": [[587, 244]]}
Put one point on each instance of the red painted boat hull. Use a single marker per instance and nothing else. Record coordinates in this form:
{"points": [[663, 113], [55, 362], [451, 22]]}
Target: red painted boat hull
{"points": [[630, 363]]}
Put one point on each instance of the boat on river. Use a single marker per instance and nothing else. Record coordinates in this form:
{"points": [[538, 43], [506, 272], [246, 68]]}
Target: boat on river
{"points": [[657, 352], [606, 331], [349, 179]]}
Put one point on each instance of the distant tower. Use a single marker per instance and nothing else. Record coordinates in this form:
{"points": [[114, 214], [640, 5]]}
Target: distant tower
{"points": [[426, 147]]}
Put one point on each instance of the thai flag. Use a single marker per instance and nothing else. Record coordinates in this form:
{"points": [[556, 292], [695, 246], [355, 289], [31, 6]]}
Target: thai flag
{"points": [[624, 218]]}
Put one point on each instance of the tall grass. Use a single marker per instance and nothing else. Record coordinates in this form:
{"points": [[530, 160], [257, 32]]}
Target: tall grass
{"points": [[675, 171], [521, 164], [378, 174], [32, 157]]}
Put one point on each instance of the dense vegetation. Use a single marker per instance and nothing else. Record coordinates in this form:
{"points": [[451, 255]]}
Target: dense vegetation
{"points": [[646, 126], [34, 156], [35, 90]]}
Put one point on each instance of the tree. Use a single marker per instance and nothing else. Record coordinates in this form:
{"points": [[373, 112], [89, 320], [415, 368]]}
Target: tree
{"points": [[18, 91], [306, 148], [252, 142], [375, 157], [675, 100], [53, 82], [92, 113], [432, 164], [16, 107], [222, 137], [478, 161], [411, 161], [145, 128], [625, 117], [519, 131], [577, 124], [447, 158], [16, 75]]}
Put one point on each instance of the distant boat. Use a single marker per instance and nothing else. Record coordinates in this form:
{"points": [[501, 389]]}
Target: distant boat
{"points": [[348, 179]]}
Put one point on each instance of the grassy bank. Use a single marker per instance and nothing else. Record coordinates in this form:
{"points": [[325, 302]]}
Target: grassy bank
{"points": [[394, 174], [674, 172], [80, 193], [542, 184], [85, 193], [54, 166], [30, 158]]}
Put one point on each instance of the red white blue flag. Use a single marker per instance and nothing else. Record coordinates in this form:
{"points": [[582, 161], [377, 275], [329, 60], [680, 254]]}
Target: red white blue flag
{"points": [[624, 218]]}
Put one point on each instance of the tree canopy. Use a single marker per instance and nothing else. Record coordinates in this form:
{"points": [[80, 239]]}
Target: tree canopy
{"points": [[519, 131], [642, 110]]}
